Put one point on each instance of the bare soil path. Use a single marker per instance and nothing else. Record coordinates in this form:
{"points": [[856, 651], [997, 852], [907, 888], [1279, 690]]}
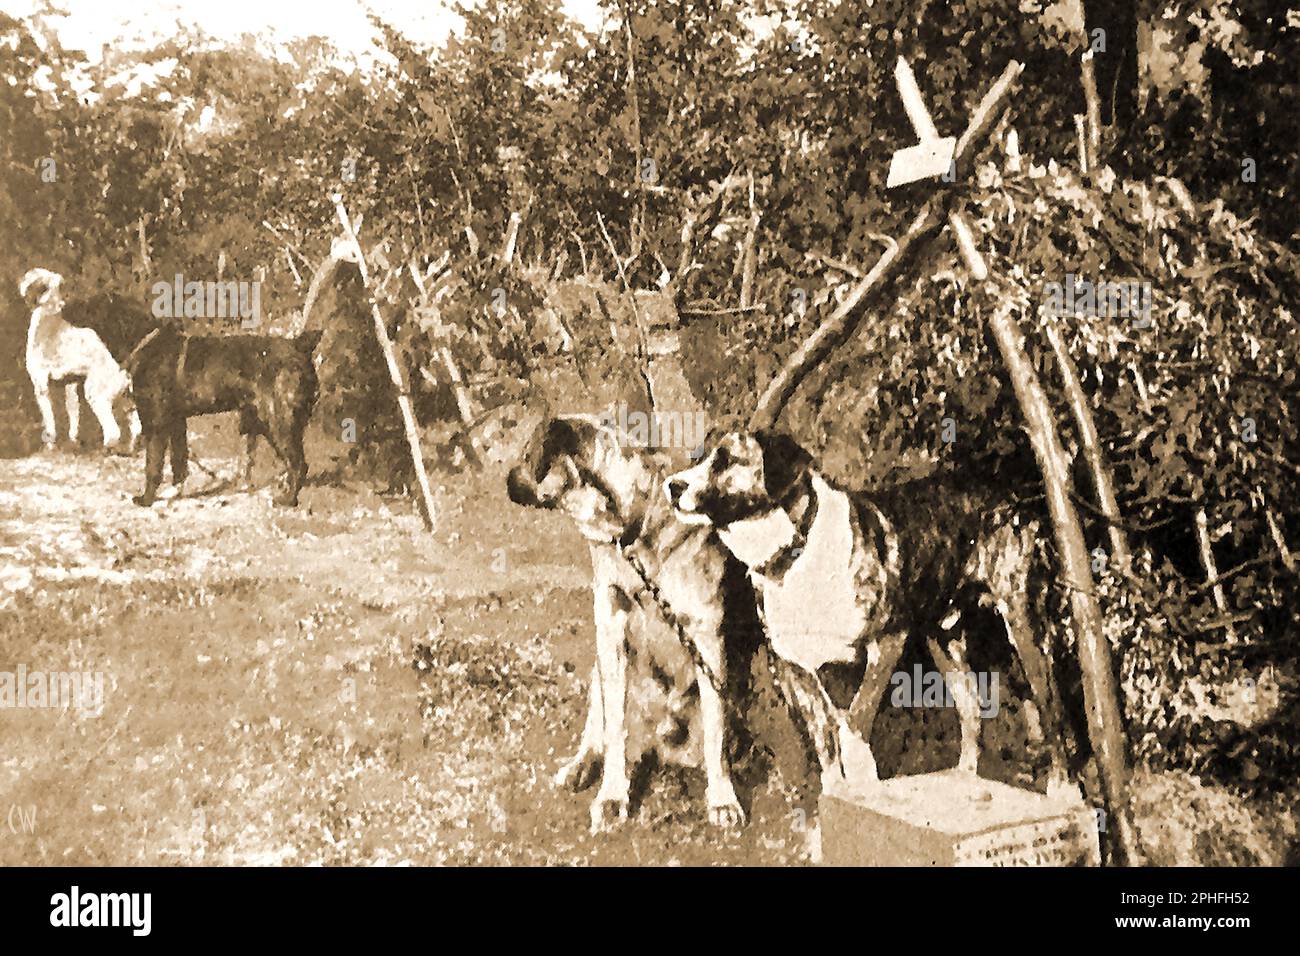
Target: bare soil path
{"points": [[322, 685]]}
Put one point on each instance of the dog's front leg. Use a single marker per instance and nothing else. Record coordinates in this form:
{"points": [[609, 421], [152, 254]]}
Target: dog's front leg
{"points": [[133, 428], [883, 653], [611, 804], [720, 794], [100, 395], [964, 697], [1049, 724], [72, 402], [155, 450], [49, 430], [580, 772], [178, 441], [248, 428]]}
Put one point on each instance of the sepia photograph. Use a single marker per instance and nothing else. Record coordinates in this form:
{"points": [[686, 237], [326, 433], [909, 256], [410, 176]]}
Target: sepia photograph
{"points": [[650, 433]]}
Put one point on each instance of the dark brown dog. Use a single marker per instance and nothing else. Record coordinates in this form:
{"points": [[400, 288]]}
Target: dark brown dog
{"points": [[269, 380]]}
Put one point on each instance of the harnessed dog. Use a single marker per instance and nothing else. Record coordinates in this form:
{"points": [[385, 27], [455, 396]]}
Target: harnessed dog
{"points": [[59, 351], [578, 465], [270, 380], [847, 579]]}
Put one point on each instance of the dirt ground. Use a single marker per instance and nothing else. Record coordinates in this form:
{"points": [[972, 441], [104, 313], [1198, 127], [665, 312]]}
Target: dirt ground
{"points": [[334, 685], [326, 685]]}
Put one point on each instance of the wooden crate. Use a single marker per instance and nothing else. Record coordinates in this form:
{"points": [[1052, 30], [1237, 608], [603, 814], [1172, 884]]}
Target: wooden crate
{"points": [[954, 819]]}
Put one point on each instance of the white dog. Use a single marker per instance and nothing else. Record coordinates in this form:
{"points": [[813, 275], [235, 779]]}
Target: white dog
{"points": [[58, 352]]}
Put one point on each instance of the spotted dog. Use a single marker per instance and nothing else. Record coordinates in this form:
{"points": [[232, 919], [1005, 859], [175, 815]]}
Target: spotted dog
{"points": [[61, 352], [847, 579], [577, 465]]}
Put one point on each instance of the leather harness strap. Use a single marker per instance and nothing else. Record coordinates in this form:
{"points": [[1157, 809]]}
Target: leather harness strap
{"points": [[131, 359], [129, 365], [180, 362]]}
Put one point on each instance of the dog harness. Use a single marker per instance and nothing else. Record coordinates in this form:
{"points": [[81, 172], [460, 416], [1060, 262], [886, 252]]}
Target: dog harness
{"points": [[129, 365]]}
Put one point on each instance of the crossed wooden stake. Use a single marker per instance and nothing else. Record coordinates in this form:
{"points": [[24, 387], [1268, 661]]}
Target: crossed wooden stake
{"points": [[932, 157], [394, 372]]}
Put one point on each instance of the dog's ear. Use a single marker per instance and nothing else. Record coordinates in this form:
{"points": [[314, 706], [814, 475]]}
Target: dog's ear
{"points": [[785, 463], [33, 288], [554, 437], [562, 438]]}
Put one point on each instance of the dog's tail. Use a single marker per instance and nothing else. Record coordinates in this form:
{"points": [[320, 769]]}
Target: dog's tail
{"points": [[307, 341]]}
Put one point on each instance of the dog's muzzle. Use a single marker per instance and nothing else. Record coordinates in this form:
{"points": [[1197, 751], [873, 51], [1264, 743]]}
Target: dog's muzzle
{"points": [[687, 512], [675, 488]]}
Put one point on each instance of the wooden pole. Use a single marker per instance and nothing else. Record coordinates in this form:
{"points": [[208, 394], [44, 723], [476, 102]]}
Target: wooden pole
{"points": [[637, 146], [512, 235], [1101, 699], [1090, 145], [146, 263], [1279, 539], [748, 251], [836, 329], [1092, 450], [1212, 572], [394, 373], [288, 257]]}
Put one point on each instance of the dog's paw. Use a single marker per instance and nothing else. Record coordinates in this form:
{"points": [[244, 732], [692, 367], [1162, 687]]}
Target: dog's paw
{"points": [[608, 813], [724, 808], [730, 816], [579, 773], [856, 758], [144, 501]]}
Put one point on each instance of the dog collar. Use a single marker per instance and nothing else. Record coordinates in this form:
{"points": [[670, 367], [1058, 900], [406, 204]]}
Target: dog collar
{"points": [[767, 544], [776, 566]]}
